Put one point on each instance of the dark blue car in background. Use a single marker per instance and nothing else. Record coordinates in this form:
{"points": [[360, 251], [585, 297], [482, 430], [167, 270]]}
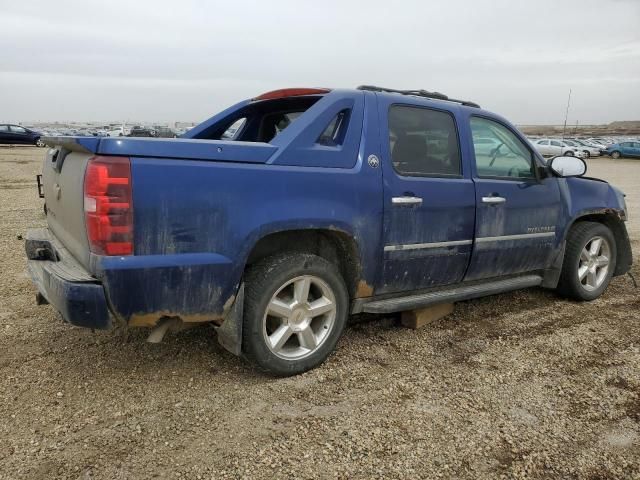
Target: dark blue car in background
{"points": [[18, 135], [624, 149]]}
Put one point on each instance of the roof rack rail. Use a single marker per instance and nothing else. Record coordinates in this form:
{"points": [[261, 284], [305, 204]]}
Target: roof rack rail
{"points": [[418, 93]]}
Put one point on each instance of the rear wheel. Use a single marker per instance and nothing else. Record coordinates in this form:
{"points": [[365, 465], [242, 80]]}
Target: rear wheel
{"points": [[615, 154], [586, 153], [589, 261], [569, 153], [295, 310]]}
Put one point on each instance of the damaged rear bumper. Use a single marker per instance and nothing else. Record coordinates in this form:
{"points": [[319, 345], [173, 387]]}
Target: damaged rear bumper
{"points": [[64, 283]]}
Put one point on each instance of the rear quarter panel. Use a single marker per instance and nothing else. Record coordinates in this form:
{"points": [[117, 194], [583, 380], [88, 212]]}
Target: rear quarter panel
{"points": [[197, 221]]}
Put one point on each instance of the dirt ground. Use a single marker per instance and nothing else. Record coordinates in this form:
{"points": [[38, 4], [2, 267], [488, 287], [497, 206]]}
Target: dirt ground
{"points": [[521, 385]]}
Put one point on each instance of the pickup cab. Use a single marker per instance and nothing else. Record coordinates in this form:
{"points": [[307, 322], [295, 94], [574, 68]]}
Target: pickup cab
{"points": [[279, 217]]}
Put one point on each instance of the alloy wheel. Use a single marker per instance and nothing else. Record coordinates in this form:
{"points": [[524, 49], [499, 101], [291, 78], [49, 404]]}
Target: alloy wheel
{"points": [[299, 318], [594, 263]]}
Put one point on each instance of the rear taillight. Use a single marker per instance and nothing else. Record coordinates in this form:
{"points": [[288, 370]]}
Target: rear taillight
{"points": [[108, 207]]}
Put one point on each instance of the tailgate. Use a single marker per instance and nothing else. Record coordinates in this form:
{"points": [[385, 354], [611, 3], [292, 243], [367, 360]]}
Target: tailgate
{"points": [[63, 182]]}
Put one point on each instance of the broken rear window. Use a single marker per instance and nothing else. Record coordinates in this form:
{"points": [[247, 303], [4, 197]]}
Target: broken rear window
{"points": [[260, 121]]}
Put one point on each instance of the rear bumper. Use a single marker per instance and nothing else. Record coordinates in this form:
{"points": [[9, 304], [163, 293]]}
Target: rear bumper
{"points": [[64, 283]]}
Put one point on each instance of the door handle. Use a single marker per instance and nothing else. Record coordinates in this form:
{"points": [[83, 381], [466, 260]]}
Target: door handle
{"points": [[493, 200], [406, 201]]}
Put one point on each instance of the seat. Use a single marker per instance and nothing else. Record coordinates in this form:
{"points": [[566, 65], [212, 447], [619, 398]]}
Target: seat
{"points": [[409, 154]]}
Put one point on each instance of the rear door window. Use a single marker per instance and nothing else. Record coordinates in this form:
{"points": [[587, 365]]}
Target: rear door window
{"points": [[423, 142], [16, 129]]}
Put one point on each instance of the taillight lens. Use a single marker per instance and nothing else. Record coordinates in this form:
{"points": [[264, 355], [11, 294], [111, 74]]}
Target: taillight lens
{"points": [[108, 206]]}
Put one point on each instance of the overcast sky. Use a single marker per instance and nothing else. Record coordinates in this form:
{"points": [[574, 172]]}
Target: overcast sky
{"points": [[187, 59]]}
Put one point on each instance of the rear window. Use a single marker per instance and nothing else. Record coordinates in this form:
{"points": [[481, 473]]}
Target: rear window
{"points": [[260, 121]]}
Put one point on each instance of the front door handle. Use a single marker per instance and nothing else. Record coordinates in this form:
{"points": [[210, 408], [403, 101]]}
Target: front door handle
{"points": [[493, 200], [406, 201]]}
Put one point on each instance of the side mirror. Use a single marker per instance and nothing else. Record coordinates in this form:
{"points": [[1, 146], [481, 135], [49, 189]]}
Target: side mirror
{"points": [[568, 166]]}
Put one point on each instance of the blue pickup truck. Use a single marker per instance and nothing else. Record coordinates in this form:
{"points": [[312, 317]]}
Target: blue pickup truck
{"points": [[279, 217]]}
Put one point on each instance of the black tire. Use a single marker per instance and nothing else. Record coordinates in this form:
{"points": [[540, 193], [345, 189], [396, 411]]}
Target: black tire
{"points": [[615, 154], [579, 236], [568, 154], [586, 153], [262, 282]]}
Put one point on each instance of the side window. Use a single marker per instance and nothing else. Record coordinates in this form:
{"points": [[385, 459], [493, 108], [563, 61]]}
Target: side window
{"points": [[543, 142], [16, 129], [509, 158], [333, 135], [233, 130], [556, 144], [4, 128], [423, 141]]}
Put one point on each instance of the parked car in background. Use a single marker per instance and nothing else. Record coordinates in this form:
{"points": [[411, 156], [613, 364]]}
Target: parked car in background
{"points": [[601, 146], [18, 135], [139, 131], [588, 150], [486, 146], [116, 132], [164, 132], [624, 149], [551, 147], [601, 141]]}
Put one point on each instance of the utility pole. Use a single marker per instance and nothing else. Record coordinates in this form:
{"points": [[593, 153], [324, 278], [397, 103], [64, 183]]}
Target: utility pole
{"points": [[566, 114]]}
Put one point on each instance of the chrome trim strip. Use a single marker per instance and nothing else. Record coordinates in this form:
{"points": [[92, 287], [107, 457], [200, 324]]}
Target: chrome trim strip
{"points": [[500, 238], [419, 246], [521, 236]]}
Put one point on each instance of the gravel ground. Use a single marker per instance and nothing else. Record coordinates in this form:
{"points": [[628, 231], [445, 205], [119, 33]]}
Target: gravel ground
{"points": [[521, 385]]}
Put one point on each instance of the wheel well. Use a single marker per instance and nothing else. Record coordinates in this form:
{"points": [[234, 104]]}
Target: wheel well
{"points": [[334, 246], [616, 225]]}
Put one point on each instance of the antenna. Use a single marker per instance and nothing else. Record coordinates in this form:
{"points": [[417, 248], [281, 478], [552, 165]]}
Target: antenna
{"points": [[566, 114]]}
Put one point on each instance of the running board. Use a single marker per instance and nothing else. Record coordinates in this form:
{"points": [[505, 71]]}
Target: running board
{"points": [[455, 294]]}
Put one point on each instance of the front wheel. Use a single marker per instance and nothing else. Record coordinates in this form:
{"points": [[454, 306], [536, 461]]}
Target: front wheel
{"points": [[40, 143], [589, 261], [295, 310], [568, 154], [615, 154], [586, 153]]}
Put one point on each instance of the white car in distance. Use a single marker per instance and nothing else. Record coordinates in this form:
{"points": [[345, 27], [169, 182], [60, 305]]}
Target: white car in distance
{"points": [[588, 150], [551, 147]]}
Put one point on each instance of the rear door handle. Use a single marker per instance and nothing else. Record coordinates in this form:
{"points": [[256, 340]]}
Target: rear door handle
{"points": [[406, 201], [493, 200]]}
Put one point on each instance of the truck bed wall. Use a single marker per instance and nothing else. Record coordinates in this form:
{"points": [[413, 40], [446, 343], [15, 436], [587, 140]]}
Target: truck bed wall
{"points": [[195, 223]]}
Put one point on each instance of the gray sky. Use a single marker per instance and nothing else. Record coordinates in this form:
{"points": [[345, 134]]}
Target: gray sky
{"points": [[187, 59]]}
